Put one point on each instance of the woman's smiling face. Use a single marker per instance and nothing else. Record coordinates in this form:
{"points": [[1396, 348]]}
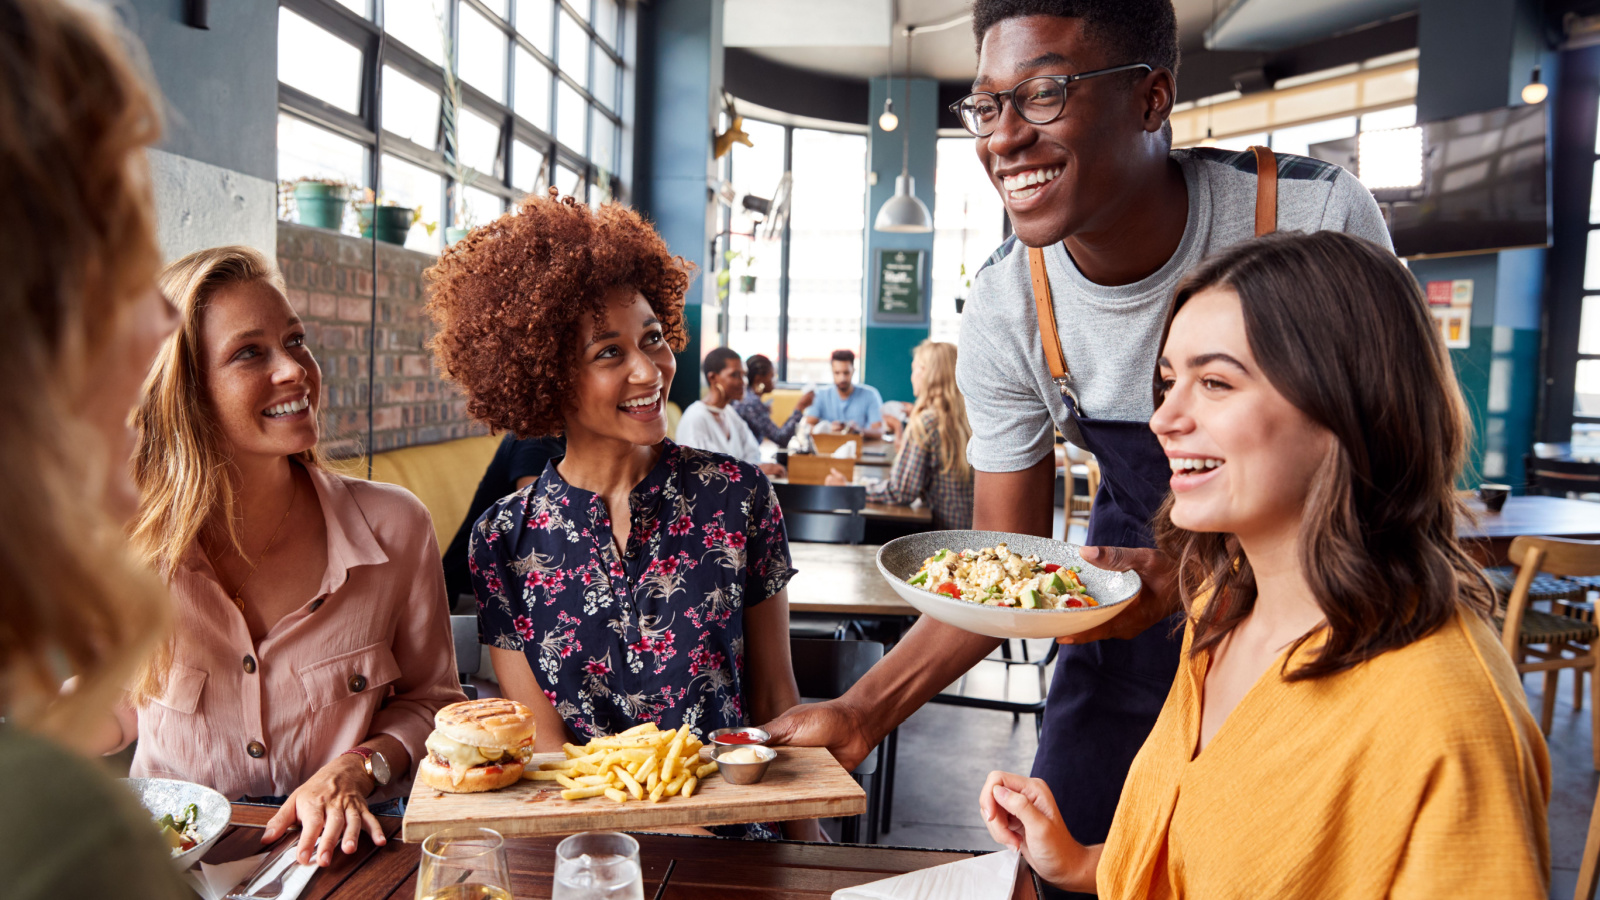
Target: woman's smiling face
{"points": [[623, 372], [1243, 457], [261, 380]]}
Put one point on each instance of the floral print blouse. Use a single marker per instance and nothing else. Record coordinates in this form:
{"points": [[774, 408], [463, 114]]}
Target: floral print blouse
{"points": [[655, 634]]}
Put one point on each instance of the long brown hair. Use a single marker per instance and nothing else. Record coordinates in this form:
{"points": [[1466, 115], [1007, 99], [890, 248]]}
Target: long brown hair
{"points": [[182, 466], [943, 400], [1341, 329], [75, 116]]}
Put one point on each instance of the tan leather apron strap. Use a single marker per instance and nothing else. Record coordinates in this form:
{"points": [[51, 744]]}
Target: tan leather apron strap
{"points": [[1266, 191], [1048, 333]]}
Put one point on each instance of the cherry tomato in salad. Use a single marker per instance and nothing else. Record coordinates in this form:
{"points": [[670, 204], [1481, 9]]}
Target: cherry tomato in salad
{"points": [[1072, 603], [948, 588], [1051, 567]]}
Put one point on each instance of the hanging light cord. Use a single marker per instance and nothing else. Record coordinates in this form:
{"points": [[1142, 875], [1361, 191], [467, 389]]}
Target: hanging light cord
{"points": [[905, 155]]}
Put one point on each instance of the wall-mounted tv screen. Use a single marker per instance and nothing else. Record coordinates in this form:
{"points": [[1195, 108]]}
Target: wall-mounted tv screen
{"points": [[1482, 186]]}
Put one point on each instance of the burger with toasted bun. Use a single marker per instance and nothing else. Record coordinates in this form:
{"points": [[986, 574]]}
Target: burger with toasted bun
{"points": [[478, 745]]}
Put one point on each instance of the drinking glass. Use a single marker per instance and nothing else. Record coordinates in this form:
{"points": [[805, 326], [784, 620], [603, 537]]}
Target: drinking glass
{"points": [[464, 863], [598, 866]]}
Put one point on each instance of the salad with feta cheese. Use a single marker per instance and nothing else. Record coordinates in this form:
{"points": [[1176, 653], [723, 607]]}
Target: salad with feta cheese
{"points": [[181, 832], [995, 576]]}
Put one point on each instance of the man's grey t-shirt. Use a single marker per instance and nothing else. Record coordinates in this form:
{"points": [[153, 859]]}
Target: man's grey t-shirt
{"points": [[1110, 335]]}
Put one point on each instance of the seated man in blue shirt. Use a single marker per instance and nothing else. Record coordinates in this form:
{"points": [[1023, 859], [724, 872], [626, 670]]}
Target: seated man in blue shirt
{"points": [[849, 407]]}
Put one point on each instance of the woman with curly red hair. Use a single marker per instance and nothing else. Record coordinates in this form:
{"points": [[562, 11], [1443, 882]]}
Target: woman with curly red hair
{"points": [[637, 580]]}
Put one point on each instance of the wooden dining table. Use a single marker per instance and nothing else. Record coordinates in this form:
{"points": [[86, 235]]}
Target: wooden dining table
{"points": [[676, 867], [842, 580], [1489, 534]]}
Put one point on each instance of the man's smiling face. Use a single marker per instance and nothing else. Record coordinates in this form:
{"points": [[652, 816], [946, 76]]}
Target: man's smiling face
{"points": [[1063, 177]]}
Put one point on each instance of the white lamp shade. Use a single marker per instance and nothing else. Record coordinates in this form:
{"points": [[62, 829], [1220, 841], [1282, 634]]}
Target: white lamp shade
{"points": [[904, 212], [1535, 92]]}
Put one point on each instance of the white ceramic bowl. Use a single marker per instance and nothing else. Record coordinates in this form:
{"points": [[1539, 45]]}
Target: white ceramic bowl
{"points": [[901, 558], [161, 796]]}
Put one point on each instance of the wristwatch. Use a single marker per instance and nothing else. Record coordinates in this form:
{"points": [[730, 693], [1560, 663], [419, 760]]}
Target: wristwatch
{"points": [[373, 763]]}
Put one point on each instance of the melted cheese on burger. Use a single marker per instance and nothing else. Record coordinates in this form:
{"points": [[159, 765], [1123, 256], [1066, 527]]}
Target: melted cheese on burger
{"points": [[458, 756]]}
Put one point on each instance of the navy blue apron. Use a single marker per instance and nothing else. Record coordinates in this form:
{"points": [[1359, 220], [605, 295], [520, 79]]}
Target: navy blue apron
{"points": [[1105, 696]]}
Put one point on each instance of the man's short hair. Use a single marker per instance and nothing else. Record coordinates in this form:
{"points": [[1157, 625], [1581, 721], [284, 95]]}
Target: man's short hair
{"points": [[1135, 31], [757, 366], [717, 360], [848, 356]]}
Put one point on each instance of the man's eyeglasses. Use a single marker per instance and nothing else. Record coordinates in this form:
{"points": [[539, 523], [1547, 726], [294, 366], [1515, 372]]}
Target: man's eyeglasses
{"points": [[1038, 100]]}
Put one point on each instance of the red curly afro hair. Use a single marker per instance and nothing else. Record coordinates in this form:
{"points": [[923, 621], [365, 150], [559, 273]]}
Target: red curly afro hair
{"points": [[512, 298]]}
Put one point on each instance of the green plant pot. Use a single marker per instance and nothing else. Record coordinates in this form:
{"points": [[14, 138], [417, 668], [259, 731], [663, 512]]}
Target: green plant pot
{"points": [[393, 222], [319, 204], [747, 284]]}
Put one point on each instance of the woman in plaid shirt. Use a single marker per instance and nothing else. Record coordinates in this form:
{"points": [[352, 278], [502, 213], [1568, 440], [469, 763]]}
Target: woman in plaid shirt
{"points": [[932, 459]]}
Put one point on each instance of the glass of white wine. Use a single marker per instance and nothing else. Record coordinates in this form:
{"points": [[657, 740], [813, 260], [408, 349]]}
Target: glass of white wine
{"points": [[598, 866], [464, 863]]}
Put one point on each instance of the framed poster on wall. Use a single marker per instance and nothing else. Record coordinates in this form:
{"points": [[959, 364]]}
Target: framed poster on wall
{"points": [[900, 295]]}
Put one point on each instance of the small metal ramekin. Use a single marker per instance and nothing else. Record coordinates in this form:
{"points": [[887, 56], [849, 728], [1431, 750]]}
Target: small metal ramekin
{"points": [[743, 773]]}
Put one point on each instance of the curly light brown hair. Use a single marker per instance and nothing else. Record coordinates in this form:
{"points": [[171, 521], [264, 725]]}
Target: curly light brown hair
{"points": [[511, 300]]}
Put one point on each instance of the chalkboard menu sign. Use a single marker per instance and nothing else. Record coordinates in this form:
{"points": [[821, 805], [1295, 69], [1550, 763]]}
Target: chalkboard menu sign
{"points": [[900, 283]]}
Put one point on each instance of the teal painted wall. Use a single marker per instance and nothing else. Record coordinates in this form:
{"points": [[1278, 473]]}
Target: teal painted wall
{"points": [[680, 88], [887, 360]]}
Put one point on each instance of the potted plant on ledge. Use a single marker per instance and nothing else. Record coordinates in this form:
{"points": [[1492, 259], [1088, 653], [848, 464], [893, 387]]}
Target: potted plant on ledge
{"points": [[318, 202], [391, 221]]}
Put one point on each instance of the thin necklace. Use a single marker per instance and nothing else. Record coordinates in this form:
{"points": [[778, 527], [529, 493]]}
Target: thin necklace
{"points": [[238, 598]]}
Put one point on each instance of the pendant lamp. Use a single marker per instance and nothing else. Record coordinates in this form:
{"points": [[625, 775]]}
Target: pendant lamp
{"points": [[903, 212]]}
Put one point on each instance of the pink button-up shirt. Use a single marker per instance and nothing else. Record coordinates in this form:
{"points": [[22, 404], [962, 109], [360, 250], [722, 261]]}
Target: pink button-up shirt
{"points": [[369, 654]]}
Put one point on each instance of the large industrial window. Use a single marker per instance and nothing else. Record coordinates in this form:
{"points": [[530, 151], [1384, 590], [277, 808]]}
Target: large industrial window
{"points": [[793, 291], [363, 95]]}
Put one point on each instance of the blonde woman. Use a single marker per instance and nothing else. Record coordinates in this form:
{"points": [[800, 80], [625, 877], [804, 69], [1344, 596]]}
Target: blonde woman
{"points": [[313, 645], [931, 463], [83, 320]]}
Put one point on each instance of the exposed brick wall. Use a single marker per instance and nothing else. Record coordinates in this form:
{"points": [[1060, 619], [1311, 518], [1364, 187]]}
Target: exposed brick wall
{"points": [[330, 285]]}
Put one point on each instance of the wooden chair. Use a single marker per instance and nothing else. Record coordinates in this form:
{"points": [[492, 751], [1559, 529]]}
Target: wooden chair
{"points": [[1561, 477], [1547, 637], [1587, 868], [1083, 504]]}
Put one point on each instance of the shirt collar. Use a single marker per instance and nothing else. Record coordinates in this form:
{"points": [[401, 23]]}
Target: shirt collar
{"points": [[351, 542], [646, 495]]}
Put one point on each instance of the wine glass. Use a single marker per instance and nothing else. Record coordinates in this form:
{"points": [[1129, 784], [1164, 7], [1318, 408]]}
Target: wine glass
{"points": [[464, 863], [598, 866]]}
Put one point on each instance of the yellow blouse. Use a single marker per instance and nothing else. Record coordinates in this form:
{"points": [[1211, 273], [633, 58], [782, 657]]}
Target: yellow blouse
{"points": [[1418, 774]]}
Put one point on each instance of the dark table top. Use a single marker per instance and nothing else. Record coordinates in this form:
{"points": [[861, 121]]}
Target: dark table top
{"points": [[1547, 516], [675, 866]]}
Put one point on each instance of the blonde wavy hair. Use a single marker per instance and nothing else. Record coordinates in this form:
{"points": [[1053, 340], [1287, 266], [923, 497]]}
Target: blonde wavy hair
{"points": [[943, 399], [182, 465], [76, 114]]}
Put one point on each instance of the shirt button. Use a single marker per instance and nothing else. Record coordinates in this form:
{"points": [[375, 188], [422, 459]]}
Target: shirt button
{"points": [[315, 604], [358, 683], [256, 749], [249, 665]]}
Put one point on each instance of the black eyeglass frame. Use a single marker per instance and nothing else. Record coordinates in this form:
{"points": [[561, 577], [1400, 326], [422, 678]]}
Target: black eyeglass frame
{"points": [[1001, 98]]}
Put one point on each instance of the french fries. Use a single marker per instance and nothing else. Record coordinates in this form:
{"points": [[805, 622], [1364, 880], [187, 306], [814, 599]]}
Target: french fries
{"points": [[642, 764]]}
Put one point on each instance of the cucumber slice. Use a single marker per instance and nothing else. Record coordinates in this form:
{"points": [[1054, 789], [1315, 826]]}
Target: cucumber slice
{"points": [[1054, 584], [1030, 598], [919, 578]]}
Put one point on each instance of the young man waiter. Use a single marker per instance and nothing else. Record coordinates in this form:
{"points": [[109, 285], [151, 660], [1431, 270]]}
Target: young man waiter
{"points": [[1070, 111]]}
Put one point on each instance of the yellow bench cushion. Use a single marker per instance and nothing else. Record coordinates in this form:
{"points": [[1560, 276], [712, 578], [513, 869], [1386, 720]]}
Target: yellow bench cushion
{"points": [[784, 400], [444, 476]]}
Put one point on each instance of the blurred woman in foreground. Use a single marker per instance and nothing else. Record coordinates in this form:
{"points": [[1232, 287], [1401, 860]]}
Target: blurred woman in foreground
{"points": [[314, 643], [83, 320], [930, 462], [1345, 723]]}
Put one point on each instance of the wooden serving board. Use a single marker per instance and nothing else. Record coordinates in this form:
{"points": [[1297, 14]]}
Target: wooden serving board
{"points": [[801, 783]]}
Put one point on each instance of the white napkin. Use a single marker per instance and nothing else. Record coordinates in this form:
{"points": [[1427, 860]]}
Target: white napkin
{"points": [[987, 877], [214, 882], [847, 450]]}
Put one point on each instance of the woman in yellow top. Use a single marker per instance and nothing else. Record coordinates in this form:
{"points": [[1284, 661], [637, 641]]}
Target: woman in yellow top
{"points": [[1344, 723]]}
